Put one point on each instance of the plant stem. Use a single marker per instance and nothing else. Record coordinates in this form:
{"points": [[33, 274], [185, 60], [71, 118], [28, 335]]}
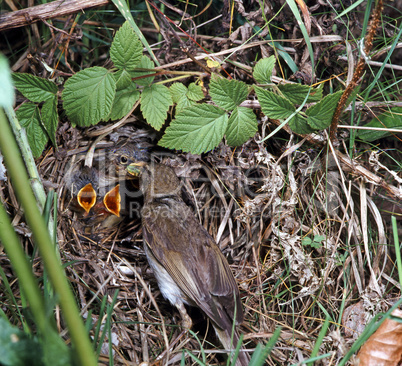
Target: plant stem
{"points": [[21, 265], [26, 153], [19, 177]]}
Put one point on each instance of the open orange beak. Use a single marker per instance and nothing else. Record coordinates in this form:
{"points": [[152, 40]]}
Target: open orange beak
{"points": [[86, 197], [112, 201]]}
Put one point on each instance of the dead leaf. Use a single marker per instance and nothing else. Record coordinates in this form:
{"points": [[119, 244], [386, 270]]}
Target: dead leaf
{"points": [[384, 347]]}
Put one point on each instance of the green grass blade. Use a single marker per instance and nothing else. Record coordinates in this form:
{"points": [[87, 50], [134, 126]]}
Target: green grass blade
{"points": [[19, 177]]}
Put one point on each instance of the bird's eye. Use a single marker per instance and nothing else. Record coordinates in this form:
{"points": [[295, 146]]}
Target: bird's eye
{"points": [[123, 159]]}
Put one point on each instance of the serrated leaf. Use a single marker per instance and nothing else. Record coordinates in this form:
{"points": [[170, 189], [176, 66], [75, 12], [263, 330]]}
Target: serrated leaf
{"points": [[180, 97], [195, 92], [197, 129], [178, 91], [29, 117], [227, 94], [126, 12], [126, 48], [274, 106], [124, 101], [299, 125], [123, 79], [50, 118], [319, 116], [263, 70], [183, 103], [242, 125], [155, 103], [145, 63], [391, 119], [7, 95], [88, 96], [34, 88], [296, 93]]}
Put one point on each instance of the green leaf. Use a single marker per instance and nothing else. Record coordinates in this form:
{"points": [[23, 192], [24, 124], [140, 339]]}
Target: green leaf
{"points": [[274, 106], [306, 241], [123, 79], [197, 129], [124, 101], [178, 91], [50, 118], [319, 116], [126, 49], [88, 96], [391, 119], [125, 11], [56, 352], [180, 95], [299, 125], [242, 125], [34, 88], [17, 348], [155, 103], [195, 92], [316, 243], [227, 94], [319, 238], [7, 95], [296, 93], [183, 103], [126, 95], [145, 63], [263, 70], [29, 117]]}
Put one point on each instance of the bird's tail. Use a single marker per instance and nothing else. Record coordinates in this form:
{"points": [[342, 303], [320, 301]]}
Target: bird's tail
{"points": [[229, 338]]}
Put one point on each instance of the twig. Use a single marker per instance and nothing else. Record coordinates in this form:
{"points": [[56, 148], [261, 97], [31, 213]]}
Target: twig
{"points": [[53, 9]]}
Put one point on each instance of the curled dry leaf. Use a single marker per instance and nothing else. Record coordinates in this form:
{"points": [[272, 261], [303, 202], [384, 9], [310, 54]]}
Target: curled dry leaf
{"points": [[384, 347]]}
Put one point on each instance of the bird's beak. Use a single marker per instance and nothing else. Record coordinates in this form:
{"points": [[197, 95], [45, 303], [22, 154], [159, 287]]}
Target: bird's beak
{"points": [[112, 201], [135, 168], [86, 197]]}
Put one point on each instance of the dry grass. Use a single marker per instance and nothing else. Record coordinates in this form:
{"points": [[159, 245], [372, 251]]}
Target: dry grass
{"points": [[261, 202], [260, 207]]}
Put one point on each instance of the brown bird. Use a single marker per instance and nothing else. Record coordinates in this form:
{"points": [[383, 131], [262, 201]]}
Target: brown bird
{"points": [[188, 265]]}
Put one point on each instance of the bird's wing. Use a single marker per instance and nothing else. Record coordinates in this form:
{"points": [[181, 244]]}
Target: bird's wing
{"points": [[191, 257]]}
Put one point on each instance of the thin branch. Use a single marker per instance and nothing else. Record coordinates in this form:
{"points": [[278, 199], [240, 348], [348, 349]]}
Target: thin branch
{"points": [[53, 9]]}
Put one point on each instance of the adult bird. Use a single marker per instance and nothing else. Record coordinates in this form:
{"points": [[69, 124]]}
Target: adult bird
{"points": [[187, 263]]}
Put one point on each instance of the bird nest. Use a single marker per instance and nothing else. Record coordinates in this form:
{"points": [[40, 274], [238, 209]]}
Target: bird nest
{"points": [[260, 202]]}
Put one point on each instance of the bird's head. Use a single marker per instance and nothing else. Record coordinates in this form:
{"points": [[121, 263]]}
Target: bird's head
{"points": [[123, 156]]}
